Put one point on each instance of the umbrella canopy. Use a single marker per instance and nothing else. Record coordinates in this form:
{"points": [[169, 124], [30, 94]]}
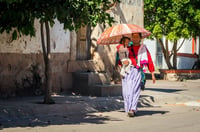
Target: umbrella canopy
{"points": [[114, 34]]}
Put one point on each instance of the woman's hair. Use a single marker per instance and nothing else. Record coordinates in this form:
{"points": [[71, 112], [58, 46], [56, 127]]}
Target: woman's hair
{"points": [[122, 41]]}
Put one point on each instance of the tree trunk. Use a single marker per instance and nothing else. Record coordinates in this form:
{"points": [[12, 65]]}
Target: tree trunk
{"points": [[175, 55], [168, 58], [166, 53], [88, 40], [47, 58]]}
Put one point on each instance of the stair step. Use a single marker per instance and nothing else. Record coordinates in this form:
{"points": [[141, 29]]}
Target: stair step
{"points": [[106, 90]]}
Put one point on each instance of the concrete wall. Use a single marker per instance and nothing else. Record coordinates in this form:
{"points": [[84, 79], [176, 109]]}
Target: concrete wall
{"points": [[128, 11], [18, 57], [151, 46], [183, 61]]}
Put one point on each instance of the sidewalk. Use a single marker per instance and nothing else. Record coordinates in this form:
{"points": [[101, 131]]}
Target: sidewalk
{"points": [[75, 109]]}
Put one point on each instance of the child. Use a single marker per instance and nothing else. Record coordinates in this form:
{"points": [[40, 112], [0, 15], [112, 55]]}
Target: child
{"points": [[124, 55]]}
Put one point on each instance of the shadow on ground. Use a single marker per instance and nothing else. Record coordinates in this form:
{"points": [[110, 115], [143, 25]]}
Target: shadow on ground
{"points": [[165, 90], [145, 113], [68, 109]]}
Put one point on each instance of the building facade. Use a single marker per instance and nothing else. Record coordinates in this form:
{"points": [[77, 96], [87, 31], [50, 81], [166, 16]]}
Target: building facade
{"points": [[186, 55], [22, 64]]}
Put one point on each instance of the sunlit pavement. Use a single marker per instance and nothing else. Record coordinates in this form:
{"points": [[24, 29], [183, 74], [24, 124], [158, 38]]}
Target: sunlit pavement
{"points": [[164, 106]]}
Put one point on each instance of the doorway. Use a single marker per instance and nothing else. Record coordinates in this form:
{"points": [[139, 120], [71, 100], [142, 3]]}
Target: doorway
{"points": [[83, 43]]}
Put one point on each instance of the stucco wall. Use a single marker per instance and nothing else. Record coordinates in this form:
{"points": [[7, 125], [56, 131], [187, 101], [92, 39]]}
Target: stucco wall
{"points": [[18, 57], [60, 41], [128, 11], [151, 45], [183, 62]]}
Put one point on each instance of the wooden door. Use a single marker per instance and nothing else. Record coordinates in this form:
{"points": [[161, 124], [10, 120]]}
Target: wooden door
{"points": [[83, 44]]}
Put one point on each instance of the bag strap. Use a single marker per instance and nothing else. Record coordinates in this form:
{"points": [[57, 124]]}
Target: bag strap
{"points": [[134, 54]]}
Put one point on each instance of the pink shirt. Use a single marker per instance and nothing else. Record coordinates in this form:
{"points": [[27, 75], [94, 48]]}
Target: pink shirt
{"points": [[135, 49]]}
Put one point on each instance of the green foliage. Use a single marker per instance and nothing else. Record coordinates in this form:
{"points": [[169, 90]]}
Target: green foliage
{"points": [[173, 18], [18, 16]]}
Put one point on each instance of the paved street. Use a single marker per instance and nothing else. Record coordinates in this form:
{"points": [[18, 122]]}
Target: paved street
{"points": [[164, 106]]}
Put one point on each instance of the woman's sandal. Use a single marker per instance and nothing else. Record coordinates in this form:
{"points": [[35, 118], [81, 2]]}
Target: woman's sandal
{"points": [[131, 113]]}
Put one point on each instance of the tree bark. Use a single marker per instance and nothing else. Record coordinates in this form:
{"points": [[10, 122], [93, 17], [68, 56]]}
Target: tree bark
{"points": [[175, 55], [47, 58], [166, 53], [181, 45], [88, 40]]}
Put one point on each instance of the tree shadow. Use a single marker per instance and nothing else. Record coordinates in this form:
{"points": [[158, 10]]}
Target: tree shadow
{"points": [[44, 121], [67, 110], [29, 112]]}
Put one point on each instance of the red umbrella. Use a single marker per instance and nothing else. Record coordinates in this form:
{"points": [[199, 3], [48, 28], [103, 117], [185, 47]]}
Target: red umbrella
{"points": [[113, 34]]}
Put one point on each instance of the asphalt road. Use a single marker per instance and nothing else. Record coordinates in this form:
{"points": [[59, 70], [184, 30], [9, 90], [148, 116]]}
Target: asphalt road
{"points": [[164, 106]]}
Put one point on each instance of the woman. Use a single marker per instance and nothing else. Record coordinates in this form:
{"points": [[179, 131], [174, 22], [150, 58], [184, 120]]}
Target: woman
{"points": [[131, 83]]}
